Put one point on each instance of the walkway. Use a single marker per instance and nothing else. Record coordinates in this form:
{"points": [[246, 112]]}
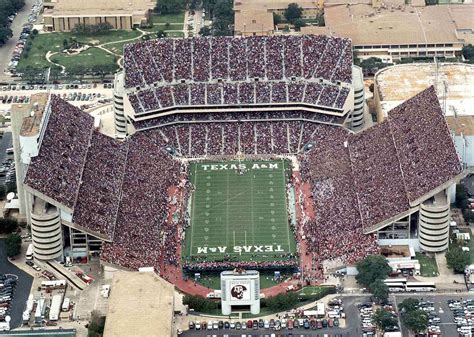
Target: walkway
{"points": [[102, 46]]}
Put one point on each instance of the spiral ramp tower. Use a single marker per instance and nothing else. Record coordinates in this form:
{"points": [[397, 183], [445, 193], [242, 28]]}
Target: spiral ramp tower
{"points": [[46, 231], [119, 115], [356, 117], [433, 227]]}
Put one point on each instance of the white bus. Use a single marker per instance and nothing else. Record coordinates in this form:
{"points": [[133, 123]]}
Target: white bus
{"points": [[29, 252], [396, 287], [420, 286], [395, 280]]}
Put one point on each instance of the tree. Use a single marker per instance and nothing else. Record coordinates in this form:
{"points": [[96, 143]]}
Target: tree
{"points": [[384, 320], [11, 187], [13, 244], [457, 259], [408, 304], [8, 225], [169, 6], [298, 24], [96, 325], [373, 267], [199, 303], [205, 31], [461, 196], [380, 290], [223, 18], [65, 44], [293, 12], [415, 320], [468, 52], [277, 19], [160, 34], [282, 302], [102, 70], [5, 34]]}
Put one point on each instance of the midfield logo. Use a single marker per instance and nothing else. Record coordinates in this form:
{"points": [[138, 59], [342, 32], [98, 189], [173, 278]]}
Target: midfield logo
{"points": [[241, 249], [256, 166]]}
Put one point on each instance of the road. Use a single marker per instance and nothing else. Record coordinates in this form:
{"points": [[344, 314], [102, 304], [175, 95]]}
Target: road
{"points": [[22, 289], [16, 27], [268, 333]]}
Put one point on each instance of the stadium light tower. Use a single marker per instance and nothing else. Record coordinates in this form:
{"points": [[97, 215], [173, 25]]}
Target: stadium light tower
{"points": [[445, 92]]}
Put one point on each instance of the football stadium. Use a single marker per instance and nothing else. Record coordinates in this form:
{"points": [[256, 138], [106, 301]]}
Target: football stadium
{"points": [[235, 152]]}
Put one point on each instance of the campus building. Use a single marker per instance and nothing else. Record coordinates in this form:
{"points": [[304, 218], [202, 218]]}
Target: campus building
{"points": [[64, 15], [256, 17], [393, 30]]}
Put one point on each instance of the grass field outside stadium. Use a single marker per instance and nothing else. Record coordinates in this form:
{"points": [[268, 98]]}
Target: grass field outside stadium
{"points": [[239, 211]]}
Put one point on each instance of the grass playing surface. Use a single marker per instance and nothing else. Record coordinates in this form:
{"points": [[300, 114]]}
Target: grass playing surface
{"points": [[239, 213]]}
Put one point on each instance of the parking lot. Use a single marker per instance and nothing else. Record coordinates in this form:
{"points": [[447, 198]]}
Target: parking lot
{"points": [[6, 143], [22, 290], [24, 34], [6, 51], [441, 307]]}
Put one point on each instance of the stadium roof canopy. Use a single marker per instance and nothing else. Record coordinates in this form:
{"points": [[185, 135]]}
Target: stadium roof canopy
{"points": [[141, 304], [99, 179], [257, 71]]}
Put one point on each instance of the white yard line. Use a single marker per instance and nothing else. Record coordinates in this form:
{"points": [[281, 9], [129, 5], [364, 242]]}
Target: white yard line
{"points": [[193, 206], [286, 206]]}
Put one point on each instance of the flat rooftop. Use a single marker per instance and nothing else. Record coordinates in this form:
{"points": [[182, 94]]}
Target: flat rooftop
{"points": [[398, 83], [31, 124], [274, 4], [94, 7], [396, 23], [461, 125], [140, 304]]}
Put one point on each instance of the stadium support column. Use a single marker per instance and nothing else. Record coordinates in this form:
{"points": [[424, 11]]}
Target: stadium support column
{"points": [[119, 115], [433, 228], [356, 118]]}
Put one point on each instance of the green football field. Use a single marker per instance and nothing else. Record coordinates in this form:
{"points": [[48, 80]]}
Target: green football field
{"points": [[239, 209]]}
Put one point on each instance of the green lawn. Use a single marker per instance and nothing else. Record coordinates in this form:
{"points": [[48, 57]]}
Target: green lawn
{"points": [[88, 58], [311, 291], [239, 216], [175, 34], [213, 281], [54, 42], [170, 18], [162, 26], [428, 265]]}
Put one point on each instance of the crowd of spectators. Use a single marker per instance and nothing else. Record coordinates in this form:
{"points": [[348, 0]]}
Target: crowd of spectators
{"points": [[143, 236], [56, 171], [99, 195], [283, 263], [122, 189], [423, 141], [237, 59], [337, 231], [228, 138], [377, 176], [238, 93]]}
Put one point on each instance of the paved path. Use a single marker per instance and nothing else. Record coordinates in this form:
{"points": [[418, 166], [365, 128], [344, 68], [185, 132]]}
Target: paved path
{"points": [[100, 46]]}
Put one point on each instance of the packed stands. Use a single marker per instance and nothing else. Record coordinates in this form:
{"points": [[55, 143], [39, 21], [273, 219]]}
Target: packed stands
{"points": [[121, 190], [232, 70], [56, 171], [238, 93]]}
